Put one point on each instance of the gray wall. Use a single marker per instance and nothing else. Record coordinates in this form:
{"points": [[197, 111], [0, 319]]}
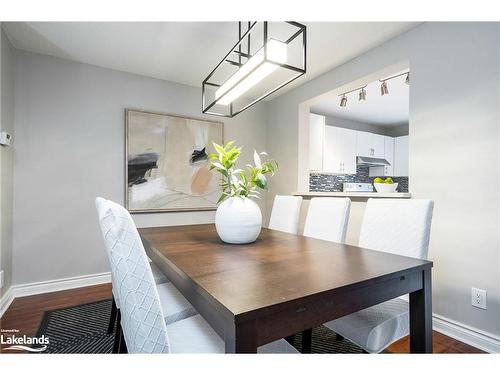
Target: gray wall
{"points": [[70, 149], [392, 131], [454, 158], [6, 160]]}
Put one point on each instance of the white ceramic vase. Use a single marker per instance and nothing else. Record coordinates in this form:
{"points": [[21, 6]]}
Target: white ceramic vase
{"points": [[238, 220]]}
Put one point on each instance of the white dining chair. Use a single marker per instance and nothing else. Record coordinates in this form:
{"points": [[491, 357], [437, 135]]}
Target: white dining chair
{"points": [[114, 317], [285, 214], [145, 319], [176, 307], [159, 278], [397, 226], [327, 219]]}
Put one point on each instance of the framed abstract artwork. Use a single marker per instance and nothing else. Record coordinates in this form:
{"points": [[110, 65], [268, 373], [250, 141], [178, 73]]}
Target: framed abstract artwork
{"points": [[167, 166]]}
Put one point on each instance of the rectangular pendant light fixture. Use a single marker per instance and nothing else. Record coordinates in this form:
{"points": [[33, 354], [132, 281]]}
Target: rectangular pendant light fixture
{"points": [[232, 93], [253, 71]]}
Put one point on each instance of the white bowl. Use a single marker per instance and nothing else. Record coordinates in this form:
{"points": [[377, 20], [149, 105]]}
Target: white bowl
{"points": [[386, 188]]}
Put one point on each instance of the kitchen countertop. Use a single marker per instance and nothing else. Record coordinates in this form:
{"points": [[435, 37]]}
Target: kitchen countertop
{"points": [[352, 194]]}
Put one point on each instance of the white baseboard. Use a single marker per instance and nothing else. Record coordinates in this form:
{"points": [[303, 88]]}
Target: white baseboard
{"points": [[469, 335], [6, 300], [31, 289]]}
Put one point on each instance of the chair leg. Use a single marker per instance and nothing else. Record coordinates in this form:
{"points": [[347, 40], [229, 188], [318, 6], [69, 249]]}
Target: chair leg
{"points": [[112, 317], [307, 341], [123, 345], [118, 334]]}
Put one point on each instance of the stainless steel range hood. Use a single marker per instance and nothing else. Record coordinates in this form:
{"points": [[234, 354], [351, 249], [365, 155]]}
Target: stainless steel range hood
{"points": [[371, 162]]}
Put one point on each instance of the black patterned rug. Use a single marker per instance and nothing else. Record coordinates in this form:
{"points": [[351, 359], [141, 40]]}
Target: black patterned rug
{"points": [[82, 330], [78, 330]]}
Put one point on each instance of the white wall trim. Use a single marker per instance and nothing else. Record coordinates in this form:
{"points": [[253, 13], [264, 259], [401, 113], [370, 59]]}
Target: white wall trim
{"points": [[60, 284], [6, 300], [30, 289], [469, 335]]}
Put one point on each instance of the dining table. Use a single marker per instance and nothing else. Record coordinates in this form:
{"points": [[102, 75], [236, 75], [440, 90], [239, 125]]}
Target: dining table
{"points": [[283, 284]]}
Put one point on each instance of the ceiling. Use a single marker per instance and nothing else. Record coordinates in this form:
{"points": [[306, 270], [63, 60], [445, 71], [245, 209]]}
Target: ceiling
{"points": [[389, 110], [185, 52]]}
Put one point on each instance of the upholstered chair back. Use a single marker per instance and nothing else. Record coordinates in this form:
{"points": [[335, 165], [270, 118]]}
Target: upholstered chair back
{"points": [[398, 226], [142, 319], [327, 219], [285, 214]]}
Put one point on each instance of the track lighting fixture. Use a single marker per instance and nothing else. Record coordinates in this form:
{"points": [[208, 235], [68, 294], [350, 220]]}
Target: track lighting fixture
{"points": [[362, 94], [383, 88]]}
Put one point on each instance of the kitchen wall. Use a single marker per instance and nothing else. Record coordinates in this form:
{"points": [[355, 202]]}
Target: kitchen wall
{"points": [[70, 148], [334, 182], [6, 159], [454, 158], [325, 182]]}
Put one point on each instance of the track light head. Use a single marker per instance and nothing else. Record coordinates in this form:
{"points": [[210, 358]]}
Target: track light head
{"points": [[343, 101], [383, 89], [362, 94], [407, 80]]}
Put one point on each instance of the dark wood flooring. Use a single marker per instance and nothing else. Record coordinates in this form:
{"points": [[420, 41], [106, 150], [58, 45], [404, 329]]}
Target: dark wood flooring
{"points": [[25, 315]]}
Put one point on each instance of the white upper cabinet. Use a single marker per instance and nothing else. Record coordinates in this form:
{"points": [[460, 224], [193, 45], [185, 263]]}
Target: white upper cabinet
{"points": [[339, 154], [348, 151], [401, 154], [334, 150], [370, 145], [316, 135]]}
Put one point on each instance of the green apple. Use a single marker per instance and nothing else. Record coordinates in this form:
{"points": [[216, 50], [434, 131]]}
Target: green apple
{"points": [[388, 180], [378, 180]]}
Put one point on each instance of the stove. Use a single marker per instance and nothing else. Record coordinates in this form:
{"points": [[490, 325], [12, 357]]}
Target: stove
{"points": [[357, 187]]}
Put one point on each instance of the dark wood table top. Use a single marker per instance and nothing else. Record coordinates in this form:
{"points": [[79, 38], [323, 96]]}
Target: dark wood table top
{"points": [[277, 268]]}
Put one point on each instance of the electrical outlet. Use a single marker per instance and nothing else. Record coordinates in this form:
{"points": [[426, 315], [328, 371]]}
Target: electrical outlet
{"points": [[1, 279], [478, 298]]}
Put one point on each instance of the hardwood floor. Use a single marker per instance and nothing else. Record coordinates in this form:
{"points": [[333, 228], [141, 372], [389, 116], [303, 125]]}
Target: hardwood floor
{"points": [[441, 344], [25, 315]]}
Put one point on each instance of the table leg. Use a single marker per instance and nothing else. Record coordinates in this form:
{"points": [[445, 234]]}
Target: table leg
{"points": [[243, 339], [421, 316], [307, 341]]}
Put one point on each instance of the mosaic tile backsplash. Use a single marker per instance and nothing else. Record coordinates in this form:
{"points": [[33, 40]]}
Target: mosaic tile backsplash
{"points": [[333, 182]]}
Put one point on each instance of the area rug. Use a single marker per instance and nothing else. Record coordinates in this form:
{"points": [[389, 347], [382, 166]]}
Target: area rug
{"points": [[82, 330]]}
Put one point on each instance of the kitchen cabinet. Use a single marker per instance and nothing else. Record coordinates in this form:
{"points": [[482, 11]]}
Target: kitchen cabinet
{"points": [[370, 145], [388, 170], [316, 135], [401, 154], [339, 150], [334, 150]]}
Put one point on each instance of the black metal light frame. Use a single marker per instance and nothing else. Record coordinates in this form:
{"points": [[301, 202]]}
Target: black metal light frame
{"points": [[206, 108]]}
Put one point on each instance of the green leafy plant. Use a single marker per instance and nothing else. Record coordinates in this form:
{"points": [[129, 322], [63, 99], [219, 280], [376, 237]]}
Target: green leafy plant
{"points": [[237, 182]]}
